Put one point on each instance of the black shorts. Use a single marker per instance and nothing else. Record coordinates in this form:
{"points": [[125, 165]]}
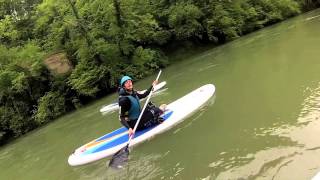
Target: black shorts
{"points": [[148, 119]]}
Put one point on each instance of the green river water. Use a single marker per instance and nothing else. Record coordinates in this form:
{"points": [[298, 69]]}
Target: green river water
{"points": [[262, 123]]}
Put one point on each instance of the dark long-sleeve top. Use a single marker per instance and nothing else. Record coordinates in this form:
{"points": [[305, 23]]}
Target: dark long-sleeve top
{"points": [[125, 104]]}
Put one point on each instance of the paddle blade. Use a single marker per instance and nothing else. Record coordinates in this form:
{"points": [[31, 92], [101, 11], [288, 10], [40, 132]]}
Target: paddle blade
{"points": [[120, 158]]}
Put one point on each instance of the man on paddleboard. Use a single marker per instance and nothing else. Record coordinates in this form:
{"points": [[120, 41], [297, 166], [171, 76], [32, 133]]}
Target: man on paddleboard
{"points": [[130, 108]]}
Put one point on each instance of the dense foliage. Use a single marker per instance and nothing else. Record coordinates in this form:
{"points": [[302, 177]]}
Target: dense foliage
{"points": [[104, 39]]}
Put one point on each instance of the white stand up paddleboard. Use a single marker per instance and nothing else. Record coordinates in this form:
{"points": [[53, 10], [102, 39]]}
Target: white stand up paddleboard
{"points": [[316, 177], [110, 143]]}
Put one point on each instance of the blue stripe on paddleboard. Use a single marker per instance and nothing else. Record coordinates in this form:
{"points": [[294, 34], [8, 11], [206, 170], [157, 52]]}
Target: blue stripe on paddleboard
{"points": [[113, 133], [122, 139], [167, 115]]}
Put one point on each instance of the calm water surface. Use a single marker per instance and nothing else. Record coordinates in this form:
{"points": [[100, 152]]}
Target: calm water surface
{"points": [[263, 123]]}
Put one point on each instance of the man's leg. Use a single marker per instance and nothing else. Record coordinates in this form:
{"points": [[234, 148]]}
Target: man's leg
{"points": [[145, 120]]}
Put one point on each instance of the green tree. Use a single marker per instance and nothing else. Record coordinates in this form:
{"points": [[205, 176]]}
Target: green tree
{"points": [[184, 20], [85, 78], [51, 106], [16, 21]]}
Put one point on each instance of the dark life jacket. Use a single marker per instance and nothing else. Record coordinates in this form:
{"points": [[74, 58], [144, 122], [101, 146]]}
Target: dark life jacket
{"points": [[135, 109]]}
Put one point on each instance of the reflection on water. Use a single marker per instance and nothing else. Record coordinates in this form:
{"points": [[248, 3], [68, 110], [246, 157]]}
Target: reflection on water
{"points": [[298, 161], [138, 167], [313, 17], [142, 167], [209, 66]]}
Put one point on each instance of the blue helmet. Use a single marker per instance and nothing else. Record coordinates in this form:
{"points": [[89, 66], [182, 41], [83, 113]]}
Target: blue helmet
{"points": [[124, 79]]}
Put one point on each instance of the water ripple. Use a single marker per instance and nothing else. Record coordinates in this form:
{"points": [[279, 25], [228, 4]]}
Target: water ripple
{"points": [[282, 162]]}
